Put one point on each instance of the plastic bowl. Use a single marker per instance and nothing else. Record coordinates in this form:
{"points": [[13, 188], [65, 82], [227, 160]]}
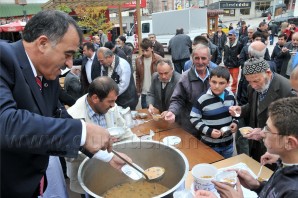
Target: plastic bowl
{"points": [[245, 130], [116, 131], [227, 177], [143, 115]]}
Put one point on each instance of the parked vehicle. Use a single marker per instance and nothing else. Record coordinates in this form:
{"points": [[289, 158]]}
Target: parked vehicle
{"points": [[164, 25], [270, 9]]}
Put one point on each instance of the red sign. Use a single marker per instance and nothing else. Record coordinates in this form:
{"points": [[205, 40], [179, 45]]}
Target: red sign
{"points": [[132, 4]]}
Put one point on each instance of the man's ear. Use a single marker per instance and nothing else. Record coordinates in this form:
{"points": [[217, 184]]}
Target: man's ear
{"points": [[42, 43], [292, 143], [95, 98]]}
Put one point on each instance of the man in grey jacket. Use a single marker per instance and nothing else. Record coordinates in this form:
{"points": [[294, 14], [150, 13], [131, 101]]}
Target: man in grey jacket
{"points": [[191, 85], [162, 86], [180, 49]]}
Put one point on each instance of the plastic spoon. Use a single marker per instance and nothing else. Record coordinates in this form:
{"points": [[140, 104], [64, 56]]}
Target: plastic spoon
{"points": [[150, 174], [236, 114]]}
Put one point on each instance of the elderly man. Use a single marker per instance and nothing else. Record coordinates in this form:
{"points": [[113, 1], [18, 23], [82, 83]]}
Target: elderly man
{"points": [[157, 46], [247, 40], [29, 127], [162, 86], [264, 88], [180, 49], [145, 67], [97, 107], [287, 54], [192, 84], [120, 71], [90, 66], [72, 83]]}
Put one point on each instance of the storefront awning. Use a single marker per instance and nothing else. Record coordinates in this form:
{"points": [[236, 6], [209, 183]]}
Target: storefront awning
{"points": [[51, 4], [9, 10]]}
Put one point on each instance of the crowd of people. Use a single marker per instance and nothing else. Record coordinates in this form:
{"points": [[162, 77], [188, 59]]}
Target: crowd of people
{"points": [[198, 89]]}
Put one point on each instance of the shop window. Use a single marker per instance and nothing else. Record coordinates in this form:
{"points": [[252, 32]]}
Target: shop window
{"points": [[245, 11], [229, 12], [262, 5]]}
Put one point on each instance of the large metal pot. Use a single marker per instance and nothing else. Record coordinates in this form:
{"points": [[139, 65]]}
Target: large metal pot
{"points": [[96, 177]]}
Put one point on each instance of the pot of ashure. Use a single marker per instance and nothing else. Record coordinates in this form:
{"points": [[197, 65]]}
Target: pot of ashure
{"points": [[98, 178]]}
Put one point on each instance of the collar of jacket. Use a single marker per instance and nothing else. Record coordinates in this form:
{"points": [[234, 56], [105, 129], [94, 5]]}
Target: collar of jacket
{"points": [[192, 74], [234, 44]]}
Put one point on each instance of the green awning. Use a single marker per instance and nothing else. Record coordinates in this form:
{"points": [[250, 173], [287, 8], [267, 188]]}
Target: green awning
{"points": [[9, 10]]}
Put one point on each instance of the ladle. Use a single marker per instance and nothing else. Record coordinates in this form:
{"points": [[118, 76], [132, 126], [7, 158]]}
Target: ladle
{"points": [[150, 174]]}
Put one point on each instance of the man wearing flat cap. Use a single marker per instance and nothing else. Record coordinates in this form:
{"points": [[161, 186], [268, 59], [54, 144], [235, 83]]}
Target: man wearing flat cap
{"points": [[264, 87]]}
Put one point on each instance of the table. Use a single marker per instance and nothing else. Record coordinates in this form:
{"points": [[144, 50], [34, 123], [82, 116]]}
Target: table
{"points": [[156, 126], [251, 163], [195, 151]]}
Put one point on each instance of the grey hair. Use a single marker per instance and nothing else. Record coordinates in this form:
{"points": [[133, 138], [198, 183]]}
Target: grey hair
{"points": [[51, 23], [251, 28], [255, 53], [163, 61], [105, 51], [199, 47]]}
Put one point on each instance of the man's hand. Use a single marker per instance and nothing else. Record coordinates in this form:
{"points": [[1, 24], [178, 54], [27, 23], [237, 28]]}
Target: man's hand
{"points": [[226, 191], [233, 127], [117, 163], [97, 138], [215, 134], [204, 194], [255, 134], [247, 180], [152, 109], [269, 158], [170, 117], [234, 109]]}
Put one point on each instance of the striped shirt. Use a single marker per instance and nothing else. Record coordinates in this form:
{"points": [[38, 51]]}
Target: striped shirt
{"points": [[98, 119], [212, 112]]}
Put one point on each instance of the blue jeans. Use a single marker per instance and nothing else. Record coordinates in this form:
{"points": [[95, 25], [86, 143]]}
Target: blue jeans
{"points": [[143, 101], [226, 151]]}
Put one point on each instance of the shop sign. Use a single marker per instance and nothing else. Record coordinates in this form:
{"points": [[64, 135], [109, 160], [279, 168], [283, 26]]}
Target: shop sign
{"points": [[234, 4]]}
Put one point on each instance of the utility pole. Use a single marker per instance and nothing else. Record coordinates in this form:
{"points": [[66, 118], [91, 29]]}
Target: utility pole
{"points": [[189, 3]]}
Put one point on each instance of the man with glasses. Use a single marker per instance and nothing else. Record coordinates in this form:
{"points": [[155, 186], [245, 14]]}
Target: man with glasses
{"points": [[264, 87], [280, 136]]}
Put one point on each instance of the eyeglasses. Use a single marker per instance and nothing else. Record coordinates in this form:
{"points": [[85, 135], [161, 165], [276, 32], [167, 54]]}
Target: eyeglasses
{"points": [[266, 130]]}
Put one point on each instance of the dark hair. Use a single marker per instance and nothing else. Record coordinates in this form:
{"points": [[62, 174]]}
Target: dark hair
{"points": [[206, 34], [243, 22], [146, 43], [109, 45], [284, 115], [89, 46], [122, 38], [102, 86], [257, 34], [179, 31], [51, 23], [262, 24], [283, 35], [200, 40], [221, 72]]}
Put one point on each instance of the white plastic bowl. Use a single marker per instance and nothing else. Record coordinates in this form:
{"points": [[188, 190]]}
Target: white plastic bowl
{"points": [[116, 131]]}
